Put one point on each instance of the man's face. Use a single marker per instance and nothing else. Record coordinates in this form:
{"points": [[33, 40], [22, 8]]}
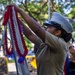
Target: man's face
{"points": [[51, 29]]}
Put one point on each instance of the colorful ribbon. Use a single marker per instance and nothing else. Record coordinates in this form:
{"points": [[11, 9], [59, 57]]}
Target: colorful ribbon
{"points": [[11, 18]]}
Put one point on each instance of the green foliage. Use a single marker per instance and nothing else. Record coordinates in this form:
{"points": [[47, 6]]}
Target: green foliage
{"points": [[36, 10], [5, 2], [74, 26], [28, 43], [11, 61], [73, 35]]}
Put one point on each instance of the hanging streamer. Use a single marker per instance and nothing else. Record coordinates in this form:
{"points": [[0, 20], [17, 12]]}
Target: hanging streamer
{"points": [[8, 50], [11, 17]]}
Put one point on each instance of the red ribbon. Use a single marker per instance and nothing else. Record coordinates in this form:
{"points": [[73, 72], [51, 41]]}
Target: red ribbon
{"points": [[8, 50], [9, 15]]}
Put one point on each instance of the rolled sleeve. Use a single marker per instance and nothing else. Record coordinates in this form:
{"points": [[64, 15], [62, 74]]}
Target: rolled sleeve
{"points": [[38, 41]]}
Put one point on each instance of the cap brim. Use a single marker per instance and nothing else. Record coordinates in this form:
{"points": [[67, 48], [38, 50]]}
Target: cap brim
{"points": [[47, 23]]}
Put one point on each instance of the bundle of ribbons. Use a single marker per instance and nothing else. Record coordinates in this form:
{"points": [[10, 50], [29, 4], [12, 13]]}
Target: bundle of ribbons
{"points": [[12, 21]]}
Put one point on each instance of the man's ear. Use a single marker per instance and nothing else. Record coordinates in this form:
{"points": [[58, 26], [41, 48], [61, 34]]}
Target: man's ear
{"points": [[58, 33]]}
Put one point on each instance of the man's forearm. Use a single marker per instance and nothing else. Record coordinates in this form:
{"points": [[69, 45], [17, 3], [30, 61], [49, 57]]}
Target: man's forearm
{"points": [[37, 29], [27, 32]]}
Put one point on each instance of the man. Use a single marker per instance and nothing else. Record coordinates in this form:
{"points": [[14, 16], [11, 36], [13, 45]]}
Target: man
{"points": [[51, 43], [72, 54], [70, 62]]}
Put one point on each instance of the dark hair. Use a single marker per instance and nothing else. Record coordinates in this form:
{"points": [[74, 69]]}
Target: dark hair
{"points": [[66, 36]]}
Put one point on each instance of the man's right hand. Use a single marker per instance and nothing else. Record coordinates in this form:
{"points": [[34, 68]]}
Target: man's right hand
{"points": [[17, 9]]}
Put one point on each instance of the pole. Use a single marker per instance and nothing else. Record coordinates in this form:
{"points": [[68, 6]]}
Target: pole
{"points": [[13, 49], [13, 45], [48, 9]]}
